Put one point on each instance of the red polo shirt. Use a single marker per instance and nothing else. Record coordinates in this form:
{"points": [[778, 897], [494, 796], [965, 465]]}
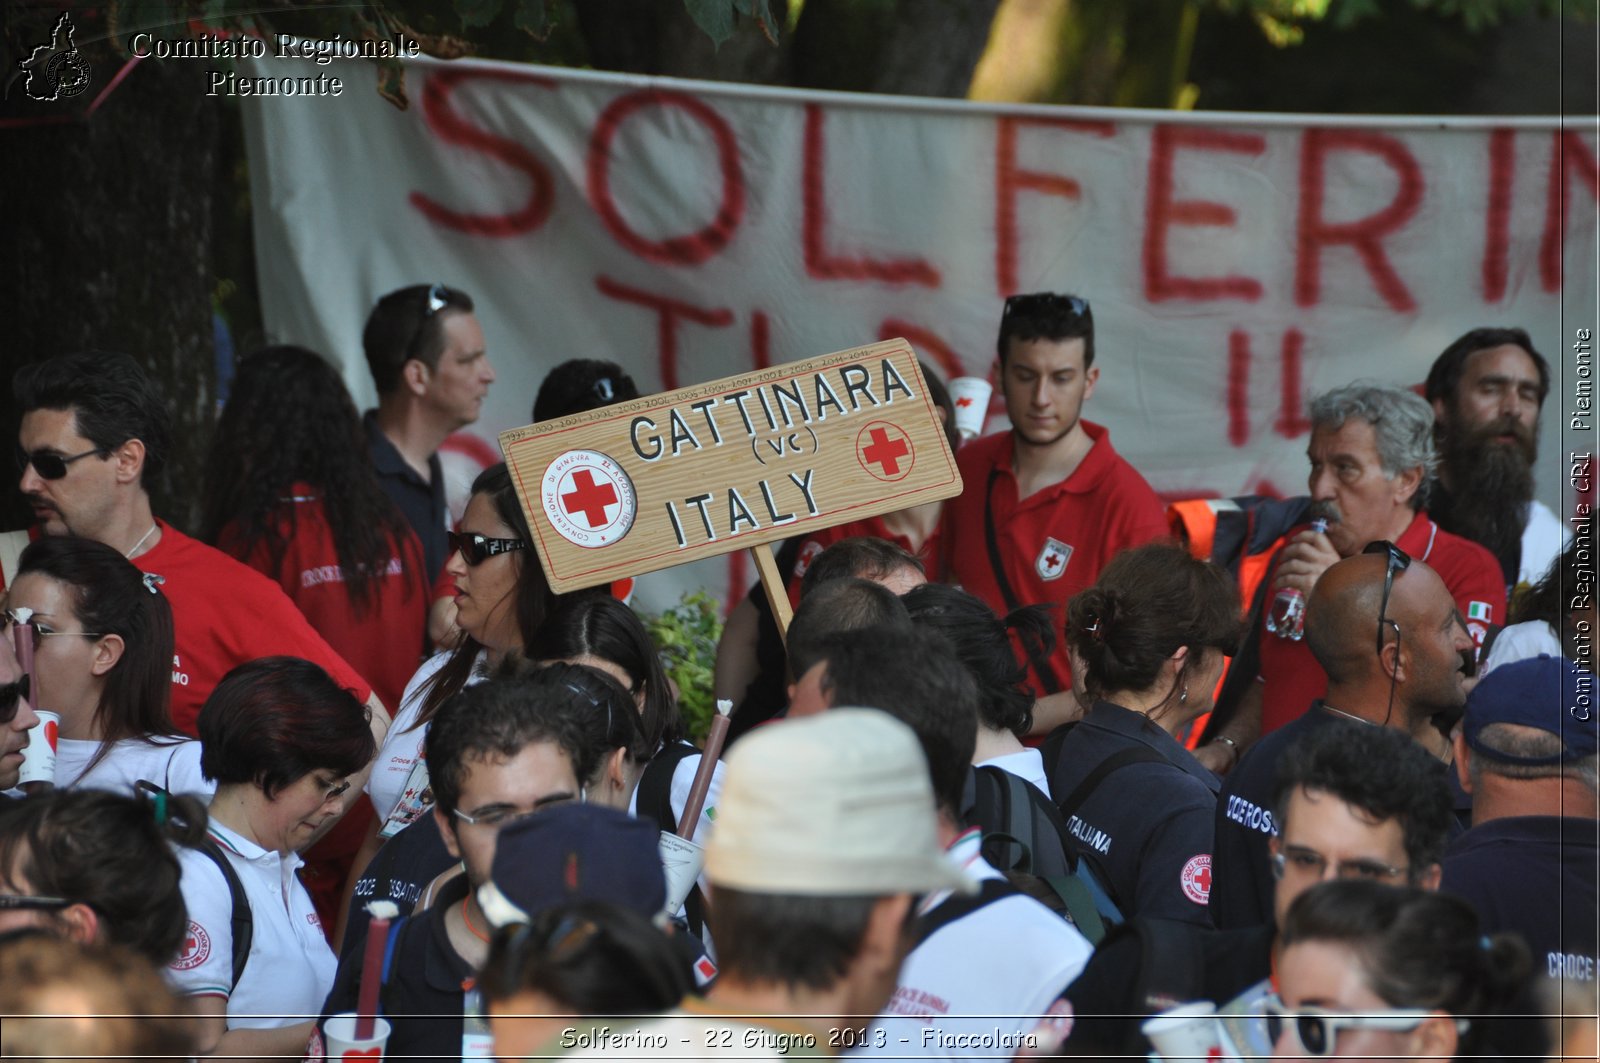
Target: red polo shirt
{"points": [[1053, 543], [1293, 677]]}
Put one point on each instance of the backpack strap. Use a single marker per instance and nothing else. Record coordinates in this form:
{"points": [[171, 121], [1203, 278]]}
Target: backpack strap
{"points": [[1135, 754], [1041, 664], [956, 907], [242, 923]]}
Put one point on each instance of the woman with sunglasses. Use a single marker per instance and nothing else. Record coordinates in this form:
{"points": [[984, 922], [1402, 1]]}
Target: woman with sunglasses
{"points": [[281, 739], [98, 867], [1374, 971], [1147, 643], [501, 599], [291, 492], [102, 658]]}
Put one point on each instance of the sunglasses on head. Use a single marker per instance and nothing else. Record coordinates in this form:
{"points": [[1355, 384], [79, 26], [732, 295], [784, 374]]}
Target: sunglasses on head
{"points": [[48, 464], [12, 696], [18, 902], [1041, 301], [1317, 1030], [476, 549], [437, 299]]}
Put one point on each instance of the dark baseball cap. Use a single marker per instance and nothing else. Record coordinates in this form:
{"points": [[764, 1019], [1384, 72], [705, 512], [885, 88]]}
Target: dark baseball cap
{"points": [[569, 853], [1548, 693]]}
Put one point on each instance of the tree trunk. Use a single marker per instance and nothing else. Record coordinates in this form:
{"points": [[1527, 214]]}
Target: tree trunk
{"points": [[108, 248]]}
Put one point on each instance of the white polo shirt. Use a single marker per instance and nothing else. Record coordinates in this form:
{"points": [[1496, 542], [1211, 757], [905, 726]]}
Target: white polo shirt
{"points": [[976, 987], [291, 967], [172, 764], [402, 744]]}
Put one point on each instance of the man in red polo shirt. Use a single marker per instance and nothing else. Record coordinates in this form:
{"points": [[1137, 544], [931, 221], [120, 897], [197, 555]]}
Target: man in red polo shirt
{"points": [[1049, 503], [1372, 461], [94, 431]]}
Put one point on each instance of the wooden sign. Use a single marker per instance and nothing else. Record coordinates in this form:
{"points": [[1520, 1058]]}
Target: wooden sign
{"points": [[672, 478]]}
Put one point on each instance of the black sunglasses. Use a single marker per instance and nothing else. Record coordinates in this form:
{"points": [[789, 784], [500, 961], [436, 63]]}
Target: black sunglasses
{"points": [[1397, 560], [48, 464], [1042, 301], [11, 697], [476, 549]]}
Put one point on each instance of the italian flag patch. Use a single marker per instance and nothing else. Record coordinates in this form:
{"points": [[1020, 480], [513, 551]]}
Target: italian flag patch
{"points": [[1479, 611]]}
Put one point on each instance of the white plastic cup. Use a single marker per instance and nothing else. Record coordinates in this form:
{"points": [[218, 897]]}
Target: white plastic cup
{"points": [[969, 397], [1188, 1032], [339, 1033], [39, 757], [682, 860]]}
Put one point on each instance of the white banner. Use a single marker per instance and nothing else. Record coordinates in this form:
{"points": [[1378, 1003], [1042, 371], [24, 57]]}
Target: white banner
{"points": [[1237, 264]]}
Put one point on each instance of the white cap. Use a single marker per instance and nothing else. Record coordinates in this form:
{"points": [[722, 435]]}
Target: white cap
{"points": [[837, 804]]}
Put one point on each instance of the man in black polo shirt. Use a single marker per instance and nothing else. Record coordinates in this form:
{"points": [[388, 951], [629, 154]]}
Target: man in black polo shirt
{"points": [[1527, 753], [1403, 689], [1352, 801], [426, 352], [498, 751]]}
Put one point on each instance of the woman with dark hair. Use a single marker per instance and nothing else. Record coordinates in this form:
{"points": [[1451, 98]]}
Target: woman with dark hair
{"points": [[501, 599], [1543, 620], [96, 867], [1147, 644], [983, 642], [579, 960], [602, 633], [290, 491], [281, 739], [102, 656], [1398, 973]]}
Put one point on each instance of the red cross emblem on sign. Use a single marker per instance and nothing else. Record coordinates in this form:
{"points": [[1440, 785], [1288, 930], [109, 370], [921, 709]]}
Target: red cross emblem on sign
{"points": [[885, 450], [589, 498]]}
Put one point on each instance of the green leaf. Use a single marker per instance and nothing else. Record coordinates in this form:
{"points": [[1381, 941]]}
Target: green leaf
{"points": [[477, 12], [533, 18], [714, 17]]}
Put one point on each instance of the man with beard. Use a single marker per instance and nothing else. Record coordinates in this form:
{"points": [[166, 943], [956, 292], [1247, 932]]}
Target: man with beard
{"points": [[1372, 461], [1487, 389], [1048, 503]]}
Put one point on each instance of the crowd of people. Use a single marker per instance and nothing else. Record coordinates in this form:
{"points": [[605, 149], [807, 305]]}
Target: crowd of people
{"points": [[1026, 769]]}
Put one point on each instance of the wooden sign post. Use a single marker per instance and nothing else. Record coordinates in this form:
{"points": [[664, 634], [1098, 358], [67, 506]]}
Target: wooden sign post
{"points": [[733, 464]]}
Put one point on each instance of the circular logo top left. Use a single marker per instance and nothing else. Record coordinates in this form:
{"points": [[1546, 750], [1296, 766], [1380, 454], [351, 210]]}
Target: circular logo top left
{"points": [[588, 497]]}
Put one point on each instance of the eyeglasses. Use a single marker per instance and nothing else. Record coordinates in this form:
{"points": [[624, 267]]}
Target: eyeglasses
{"points": [[1316, 1030], [1308, 863], [476, 549], [48, 464], [330, 792], [12, 695], [1038, 302], [1397, 560], [23, 616], [496, 818], [15, 902]]}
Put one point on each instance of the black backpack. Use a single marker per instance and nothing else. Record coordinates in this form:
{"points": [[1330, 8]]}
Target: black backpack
{"points": [[1024, 835]]}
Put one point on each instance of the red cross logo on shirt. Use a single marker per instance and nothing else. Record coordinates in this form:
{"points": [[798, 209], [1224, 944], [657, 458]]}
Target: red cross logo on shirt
{"points": [[1196, 878], [589, 498], [1052, 559], [885, 450]]}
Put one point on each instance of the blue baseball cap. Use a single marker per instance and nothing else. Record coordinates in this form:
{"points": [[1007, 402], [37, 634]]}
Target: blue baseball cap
{"points": [[577, 852], [1545, 692]]}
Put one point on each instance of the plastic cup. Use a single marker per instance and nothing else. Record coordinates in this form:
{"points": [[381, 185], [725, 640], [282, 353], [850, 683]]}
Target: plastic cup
{"points": [[1188, 1032], [682, 861], [39, 758], [970, 397], [339, 1033]]}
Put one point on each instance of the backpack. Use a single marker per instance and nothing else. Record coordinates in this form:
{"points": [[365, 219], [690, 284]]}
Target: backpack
{"points": [[1025, 836], [654, 801]]}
